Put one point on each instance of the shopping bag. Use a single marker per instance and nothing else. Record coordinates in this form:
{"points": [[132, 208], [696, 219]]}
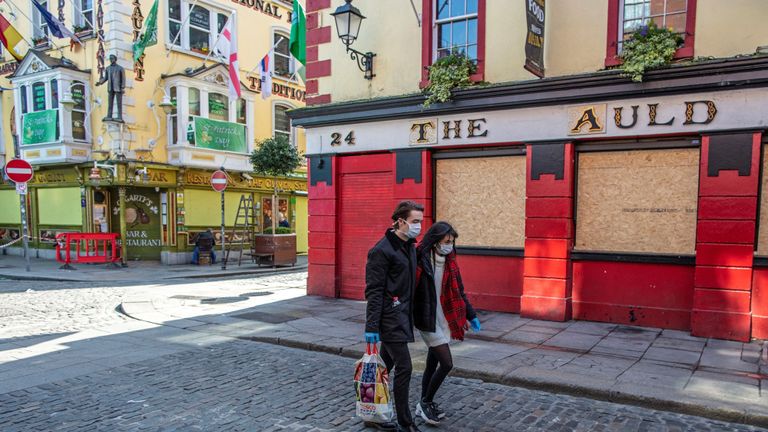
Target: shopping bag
{"points": [[372, 392]]}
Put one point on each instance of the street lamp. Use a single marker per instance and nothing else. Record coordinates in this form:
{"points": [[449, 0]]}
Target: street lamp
{"points": [[348, 20], [95, 175]]}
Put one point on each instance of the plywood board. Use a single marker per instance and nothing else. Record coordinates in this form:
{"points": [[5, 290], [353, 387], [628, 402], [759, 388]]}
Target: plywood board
{"points": [[762, 234], [637, 201], [484, 199]]}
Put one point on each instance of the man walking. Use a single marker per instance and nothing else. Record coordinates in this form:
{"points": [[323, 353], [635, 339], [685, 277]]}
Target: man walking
{"points": [[390, 279]]}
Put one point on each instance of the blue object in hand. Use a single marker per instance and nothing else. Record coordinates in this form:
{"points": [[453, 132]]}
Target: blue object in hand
{"points": [[372, 337], [475, 323]]}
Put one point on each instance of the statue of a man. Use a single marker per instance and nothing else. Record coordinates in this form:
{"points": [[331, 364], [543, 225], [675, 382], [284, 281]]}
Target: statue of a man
{"points": [[114, 76]]}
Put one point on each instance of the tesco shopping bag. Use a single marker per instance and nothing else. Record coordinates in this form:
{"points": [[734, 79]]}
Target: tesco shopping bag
{"points": [[374, 403]]}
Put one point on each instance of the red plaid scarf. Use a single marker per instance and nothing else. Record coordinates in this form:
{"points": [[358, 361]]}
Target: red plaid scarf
{"points": [[454, 308]]}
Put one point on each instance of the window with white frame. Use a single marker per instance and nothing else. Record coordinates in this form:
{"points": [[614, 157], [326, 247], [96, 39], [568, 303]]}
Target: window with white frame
{"points": [[634, 14], [79, 111], [194, 27], [283, 64], [173, 117], [456, 28], [45, 95], [281, 123], [83, 15], [40, 27], [197, 99]]}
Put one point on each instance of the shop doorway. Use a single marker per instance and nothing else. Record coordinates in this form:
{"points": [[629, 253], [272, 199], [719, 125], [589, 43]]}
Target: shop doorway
{"points": [[143, 223]]}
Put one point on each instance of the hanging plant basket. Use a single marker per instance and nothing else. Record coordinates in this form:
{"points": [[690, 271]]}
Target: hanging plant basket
{"points": [[446, 74], [650, 47]]}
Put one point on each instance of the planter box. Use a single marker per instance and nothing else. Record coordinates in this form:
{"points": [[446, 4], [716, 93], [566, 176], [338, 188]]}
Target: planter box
{"points": [[282, 247]]}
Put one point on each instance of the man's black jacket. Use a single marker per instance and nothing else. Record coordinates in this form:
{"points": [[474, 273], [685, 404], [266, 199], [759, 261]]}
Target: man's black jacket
{"points": [[390, 275]]}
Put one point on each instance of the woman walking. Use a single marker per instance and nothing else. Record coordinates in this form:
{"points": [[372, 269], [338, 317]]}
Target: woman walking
{"points": [[441, 312]]}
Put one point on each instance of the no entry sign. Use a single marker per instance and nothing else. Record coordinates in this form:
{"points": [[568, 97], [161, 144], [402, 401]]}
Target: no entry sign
{"points": [[18, 170], [219, 180]]}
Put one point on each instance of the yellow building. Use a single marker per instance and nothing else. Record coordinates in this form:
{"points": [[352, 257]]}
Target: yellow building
{"points": [[577, 192], [158, 163]]}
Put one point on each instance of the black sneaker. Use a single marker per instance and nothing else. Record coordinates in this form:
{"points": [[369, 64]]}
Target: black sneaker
{"points": [[426, 411], [436, 409], [389, 426], [411, 428]]}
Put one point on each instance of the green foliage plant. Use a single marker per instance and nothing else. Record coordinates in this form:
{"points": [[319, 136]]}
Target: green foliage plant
{"points": [[448, 73], [650, 47]]}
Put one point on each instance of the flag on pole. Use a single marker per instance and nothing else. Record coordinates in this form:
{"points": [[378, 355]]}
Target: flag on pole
{"points": [[10, 38], [265, 76], [56, 27], [148, 35], [227, 46], [298, 40]]}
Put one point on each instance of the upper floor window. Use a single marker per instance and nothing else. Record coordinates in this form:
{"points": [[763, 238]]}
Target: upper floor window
{"points": [[199, 103], [625, 17], [283, 64], [194, 27], [79, 111], [83, 14], [281, 122], [456, 27], [453, 27], [40, 27]]}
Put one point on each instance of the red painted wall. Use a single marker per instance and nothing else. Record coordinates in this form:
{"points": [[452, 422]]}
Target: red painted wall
{"points": [[652, 295], [492, 283]]}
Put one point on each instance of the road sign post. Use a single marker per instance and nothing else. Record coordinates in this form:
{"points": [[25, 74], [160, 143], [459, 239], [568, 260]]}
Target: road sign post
{"points": [[20, 172], [219, 184]]}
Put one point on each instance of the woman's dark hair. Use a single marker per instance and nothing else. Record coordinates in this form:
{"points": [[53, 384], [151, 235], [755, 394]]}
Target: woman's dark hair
{"points": [[434, 235], [404, 209]]}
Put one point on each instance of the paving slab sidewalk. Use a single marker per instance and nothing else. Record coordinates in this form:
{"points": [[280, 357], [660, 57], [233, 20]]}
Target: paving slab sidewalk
{"points": [[663, 369], [14, 267]]}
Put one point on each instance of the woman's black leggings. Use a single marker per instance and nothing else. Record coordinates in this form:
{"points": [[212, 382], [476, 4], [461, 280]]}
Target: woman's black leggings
{"points": [[439, 364]]}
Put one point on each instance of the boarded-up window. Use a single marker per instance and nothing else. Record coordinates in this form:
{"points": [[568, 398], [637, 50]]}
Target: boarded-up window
{"points": [[762, 236], [637, 201], [484, 198]]}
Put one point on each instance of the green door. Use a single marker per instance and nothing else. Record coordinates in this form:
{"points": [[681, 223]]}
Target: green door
{"points": [[143, 223]]}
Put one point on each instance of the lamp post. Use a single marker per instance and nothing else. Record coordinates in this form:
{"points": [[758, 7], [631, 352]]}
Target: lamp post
{"points": [[348, 20]]}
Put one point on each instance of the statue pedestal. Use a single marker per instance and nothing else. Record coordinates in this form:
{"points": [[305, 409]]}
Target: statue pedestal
{"points": [[116, 131]]}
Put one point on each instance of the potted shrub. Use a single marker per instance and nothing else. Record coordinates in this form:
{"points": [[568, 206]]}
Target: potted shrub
{"points": [[276, 157], [446, 74], [82, 31], [40, 41], [650, 47]]}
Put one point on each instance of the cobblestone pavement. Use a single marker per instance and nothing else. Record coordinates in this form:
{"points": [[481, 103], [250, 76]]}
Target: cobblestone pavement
{"points": [[37, 308], [70, 362], [249, 386]]}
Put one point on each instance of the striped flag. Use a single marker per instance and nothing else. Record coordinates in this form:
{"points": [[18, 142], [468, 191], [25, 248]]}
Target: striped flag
{"points": [[56, 27], [10, 38], [227, 47], [265, 76]]}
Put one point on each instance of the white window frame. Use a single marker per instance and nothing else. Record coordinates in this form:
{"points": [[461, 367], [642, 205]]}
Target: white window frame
{"points": [[183, 85], [291, 60], [182, 43], [292, 129], [79, 13], [436, 23], [40, 26], [645, 20], [64, 82]]}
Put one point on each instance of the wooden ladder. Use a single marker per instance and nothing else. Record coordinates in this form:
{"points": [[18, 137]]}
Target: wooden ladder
{"points": [[244, 228]]}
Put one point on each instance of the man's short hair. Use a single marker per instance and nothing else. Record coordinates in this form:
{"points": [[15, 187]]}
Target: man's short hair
{"points": [[404, 210]]}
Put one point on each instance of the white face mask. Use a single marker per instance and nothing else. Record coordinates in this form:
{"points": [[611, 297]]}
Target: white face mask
{"points": [[444, 249], [413, 230]]}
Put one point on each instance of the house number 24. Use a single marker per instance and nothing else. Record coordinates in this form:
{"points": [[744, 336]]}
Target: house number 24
{"points": [[349, 139]]}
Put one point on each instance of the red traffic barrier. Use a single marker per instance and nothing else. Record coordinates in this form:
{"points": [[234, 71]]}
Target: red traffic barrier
{"points": [[90, 248]]}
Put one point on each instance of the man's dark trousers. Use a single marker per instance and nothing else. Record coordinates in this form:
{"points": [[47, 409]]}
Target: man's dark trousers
{"points": [[396, 354]]}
